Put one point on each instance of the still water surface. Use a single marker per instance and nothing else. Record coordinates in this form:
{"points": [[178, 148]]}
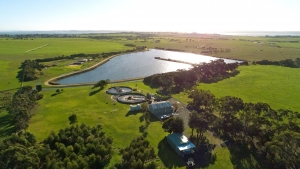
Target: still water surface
{"points": [[139, 64]]}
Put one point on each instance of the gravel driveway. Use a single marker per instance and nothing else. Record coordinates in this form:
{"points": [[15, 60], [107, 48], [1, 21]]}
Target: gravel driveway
{"points": [[182, 112]]}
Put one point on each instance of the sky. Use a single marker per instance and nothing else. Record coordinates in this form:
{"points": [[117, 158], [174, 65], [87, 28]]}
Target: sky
{"points": [[209, 16]]}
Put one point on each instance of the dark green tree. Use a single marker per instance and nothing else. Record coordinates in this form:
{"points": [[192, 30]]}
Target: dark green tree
{"points": [[139, 154], [101, 84], [173, 125], [284, 150], [202, 100], [39, 87]]}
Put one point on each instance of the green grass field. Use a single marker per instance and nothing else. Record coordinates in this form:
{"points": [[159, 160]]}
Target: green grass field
{"points": [[275, 85], [15, 49], [96, 107], [13, 52]]}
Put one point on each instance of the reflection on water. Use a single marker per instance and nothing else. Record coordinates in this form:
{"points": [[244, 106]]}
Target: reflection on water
{"points": [[138, 64]]}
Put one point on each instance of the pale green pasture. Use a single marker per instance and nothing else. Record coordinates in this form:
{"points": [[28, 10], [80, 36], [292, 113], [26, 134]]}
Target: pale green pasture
{"points": [[278, 86]]}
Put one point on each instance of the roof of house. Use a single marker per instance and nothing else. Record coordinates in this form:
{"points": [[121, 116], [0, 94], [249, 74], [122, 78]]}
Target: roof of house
{"points": [[159, 105], [181, 141]]}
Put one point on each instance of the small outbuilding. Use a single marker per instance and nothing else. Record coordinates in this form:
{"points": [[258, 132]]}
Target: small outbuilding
{"points": [[161, 108], [135, 107], [181, 144]]}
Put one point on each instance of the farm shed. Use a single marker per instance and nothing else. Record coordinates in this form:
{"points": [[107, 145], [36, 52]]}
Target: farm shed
{"points": [[161, 108], [181, 144]]}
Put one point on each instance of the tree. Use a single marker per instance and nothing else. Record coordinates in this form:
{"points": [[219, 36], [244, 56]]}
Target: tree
{"points": [[178, 125], [21, 106], [173, 125], [139, 154], [144, 106], [39, 87], [73, 119], [5, 100], [101, 84], [284, 150], [202, 100], [201, 127], [193, 119]]}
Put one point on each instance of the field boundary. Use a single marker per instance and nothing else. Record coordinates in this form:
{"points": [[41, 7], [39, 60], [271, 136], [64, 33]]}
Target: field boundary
{"points": [[36, 48]]}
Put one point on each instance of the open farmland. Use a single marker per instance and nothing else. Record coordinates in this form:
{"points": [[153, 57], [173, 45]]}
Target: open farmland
{"points": [[275, 85], [15, 51]]}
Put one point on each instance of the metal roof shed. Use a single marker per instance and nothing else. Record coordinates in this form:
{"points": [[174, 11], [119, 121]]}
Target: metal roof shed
{"points": [[181, 144], [160, 108]]}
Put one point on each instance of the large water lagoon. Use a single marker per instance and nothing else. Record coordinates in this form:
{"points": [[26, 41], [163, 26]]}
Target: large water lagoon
{"points": [[139, 64]]}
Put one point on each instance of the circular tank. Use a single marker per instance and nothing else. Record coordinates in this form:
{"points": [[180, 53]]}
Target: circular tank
{"points": [[132, 98], [119, 90]]}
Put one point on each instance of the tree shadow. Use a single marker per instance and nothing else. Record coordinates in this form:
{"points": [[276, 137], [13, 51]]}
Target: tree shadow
{"points": [[153, 118], [168, 156], [203, 156], [54, 94], [245, 156], [94, 92], [133, 113], [142, 118], [6, 125], [20, 74]]}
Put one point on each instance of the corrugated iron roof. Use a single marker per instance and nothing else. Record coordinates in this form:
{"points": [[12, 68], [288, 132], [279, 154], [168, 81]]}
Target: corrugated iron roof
{"points": [[159, 105]]}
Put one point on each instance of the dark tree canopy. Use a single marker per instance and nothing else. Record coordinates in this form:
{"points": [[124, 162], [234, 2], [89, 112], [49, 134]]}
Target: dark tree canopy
{"points": [[173, 125], [22, 104], [139, 154], [101, 83], [75, 147]]}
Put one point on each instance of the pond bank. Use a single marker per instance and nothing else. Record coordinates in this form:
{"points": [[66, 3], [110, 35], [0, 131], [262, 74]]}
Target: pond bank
{"points": [[52, 80]]}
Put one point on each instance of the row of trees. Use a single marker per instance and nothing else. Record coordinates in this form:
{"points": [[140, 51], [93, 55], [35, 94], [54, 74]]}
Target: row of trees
{"points": [[75, 147], [21, 106], [286, 63], [5, 100], [83, 55], [273, 134], [181, 79], [31, 70]]}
